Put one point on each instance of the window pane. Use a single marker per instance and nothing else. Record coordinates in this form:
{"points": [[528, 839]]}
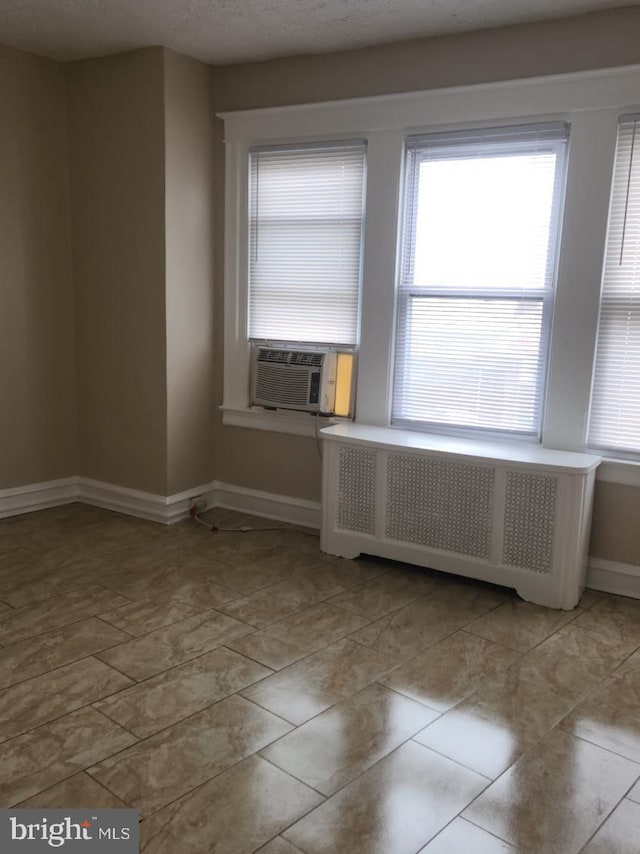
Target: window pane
{"points": [[306, 211], [484, 222], [472, 362], [615, 402]]}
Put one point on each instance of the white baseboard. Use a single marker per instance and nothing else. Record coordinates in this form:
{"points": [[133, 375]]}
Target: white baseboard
{"points": [[38, 496], [158, 508], [283, 508], [165, 509], [612, 577]]}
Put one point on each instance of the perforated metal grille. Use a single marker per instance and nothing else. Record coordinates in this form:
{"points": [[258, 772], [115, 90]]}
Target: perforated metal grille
{"points": [[529, 518], [440, 504], [357, 490]]}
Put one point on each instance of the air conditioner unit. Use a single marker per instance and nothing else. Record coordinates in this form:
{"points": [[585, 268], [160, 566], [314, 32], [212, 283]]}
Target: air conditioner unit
{"points": [[294, 379]]}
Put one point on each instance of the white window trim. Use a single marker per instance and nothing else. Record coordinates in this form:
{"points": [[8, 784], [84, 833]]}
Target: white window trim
{"points": [[591, 101]]}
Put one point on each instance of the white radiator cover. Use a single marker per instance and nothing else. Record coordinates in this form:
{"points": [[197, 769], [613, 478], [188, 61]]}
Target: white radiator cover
{"points": [[512, 514]]}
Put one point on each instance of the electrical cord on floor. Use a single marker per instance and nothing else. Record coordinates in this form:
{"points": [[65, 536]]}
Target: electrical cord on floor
{"points": [[245, 529]]}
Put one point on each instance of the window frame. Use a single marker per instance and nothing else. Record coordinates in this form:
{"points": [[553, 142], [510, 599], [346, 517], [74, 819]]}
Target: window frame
{"points": [[545, 296], [591, 102]]}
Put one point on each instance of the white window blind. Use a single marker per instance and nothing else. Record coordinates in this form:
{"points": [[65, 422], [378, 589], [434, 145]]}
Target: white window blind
{"points": [[306, 211], [480, 226], [615, 401]]}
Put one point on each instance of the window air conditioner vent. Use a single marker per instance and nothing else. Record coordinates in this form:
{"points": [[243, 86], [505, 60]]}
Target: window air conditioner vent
{"points": [[265, 355], [294, 379], [313, 360]]}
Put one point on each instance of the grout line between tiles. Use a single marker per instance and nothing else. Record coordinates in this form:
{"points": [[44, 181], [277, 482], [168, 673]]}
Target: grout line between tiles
{"points": [[479, 826], [293, 776], [489, 780], [412, 700], [264, 709], [606, 749]]}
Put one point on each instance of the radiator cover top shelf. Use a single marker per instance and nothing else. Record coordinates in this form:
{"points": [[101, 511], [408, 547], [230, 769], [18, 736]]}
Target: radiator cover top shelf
{"points": [[513, 514]]}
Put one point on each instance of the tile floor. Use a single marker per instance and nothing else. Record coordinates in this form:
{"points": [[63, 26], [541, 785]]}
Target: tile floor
{"points": [[246, 693]]}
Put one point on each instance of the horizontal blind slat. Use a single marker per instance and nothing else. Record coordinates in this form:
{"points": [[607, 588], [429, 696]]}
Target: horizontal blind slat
{"points": [[305, 226], [614, 422]]}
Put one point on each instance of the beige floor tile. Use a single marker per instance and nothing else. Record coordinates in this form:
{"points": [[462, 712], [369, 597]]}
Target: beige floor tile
{"points": [[15, 564], [462, 837], [620, 834], [615, 617], [396, 806], [175, 761], [44, 698], [610, 715], [78, 792], [333, 748], [34, 656], [140, 618], [555, 797], [280, 600], [349, 573], [590, 597], [187, 580], [175, 694], [128, 562], [260, 551], [242, 548], [164, 648], [489, 730], [261, 569], [278, 846], [419, 625], [634, 794], [450, 671], [50, 583], [253, 802], [32, 620], [310, 686], [285, 563], [520, 625], [291, 639], [574, 660], [387, 593], [39, 759], [464, 648], [32, 570]]}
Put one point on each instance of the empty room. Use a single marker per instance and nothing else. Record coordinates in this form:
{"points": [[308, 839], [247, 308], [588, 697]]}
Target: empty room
{"points": [[320, 426]]}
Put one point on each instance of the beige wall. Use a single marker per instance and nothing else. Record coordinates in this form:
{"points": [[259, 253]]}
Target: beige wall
{"points": [[37, 381], [615, 534], [598, 40], [189, 201], [116, 131], [288, 465]]}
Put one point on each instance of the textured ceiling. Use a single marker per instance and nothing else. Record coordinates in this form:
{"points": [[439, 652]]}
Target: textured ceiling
{"points": [[227, 31]]}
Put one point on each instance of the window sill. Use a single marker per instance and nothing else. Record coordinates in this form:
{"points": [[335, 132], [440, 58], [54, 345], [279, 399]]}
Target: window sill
{"points": [[277, 420]]}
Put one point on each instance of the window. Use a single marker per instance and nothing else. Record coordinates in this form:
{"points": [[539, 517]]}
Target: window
{"points": [[305, 236], [480, 226], [615, 403], [481, 319]]}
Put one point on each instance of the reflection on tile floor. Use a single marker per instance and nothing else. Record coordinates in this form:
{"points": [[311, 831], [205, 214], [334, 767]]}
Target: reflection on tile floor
{"points": [[247, 693]]}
